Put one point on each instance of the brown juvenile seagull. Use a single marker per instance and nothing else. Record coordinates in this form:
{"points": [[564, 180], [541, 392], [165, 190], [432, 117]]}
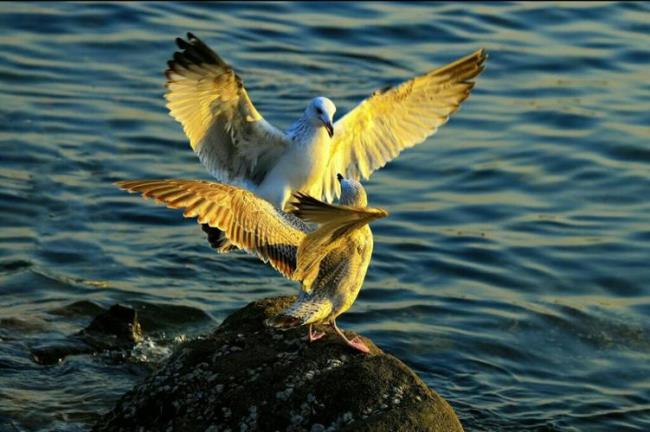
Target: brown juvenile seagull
{"points": [[330, 262]]}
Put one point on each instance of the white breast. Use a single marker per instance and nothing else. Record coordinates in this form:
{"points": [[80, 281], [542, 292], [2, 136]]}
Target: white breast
{"points": [[302, 165]]}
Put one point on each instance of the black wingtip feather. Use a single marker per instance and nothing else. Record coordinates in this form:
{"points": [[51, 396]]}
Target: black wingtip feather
{"points": [[193, 50], [182, 44], [180, 59], [194, 55]]}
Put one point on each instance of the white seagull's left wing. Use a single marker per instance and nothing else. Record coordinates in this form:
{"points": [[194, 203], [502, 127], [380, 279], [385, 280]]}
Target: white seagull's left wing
{"points": [[209, 99], [393, 119]]}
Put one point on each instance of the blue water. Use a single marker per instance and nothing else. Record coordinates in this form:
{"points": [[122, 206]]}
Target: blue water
{"points": [[513, 273]]}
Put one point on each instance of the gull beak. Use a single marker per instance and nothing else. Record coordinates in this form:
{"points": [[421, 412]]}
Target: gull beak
{"points": [[330, 128]]}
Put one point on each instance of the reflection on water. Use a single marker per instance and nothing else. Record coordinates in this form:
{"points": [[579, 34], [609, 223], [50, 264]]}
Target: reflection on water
{"points": [[512, 273]]}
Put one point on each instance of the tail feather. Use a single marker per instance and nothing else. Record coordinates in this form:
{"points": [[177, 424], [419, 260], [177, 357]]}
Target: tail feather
{"points": [[306, 309], [310, 209], [283, 321], [335, 222]]}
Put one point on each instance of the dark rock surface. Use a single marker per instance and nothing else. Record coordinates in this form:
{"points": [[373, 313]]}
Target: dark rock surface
{"points": [[246, 377]]}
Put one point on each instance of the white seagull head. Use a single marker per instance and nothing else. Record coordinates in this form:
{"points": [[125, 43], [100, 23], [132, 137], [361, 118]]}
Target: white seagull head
{"points": [[352, 193], [320, 112]]}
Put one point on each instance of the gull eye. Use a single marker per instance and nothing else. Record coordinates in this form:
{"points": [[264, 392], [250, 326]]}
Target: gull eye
{"points": [[319, 111]]}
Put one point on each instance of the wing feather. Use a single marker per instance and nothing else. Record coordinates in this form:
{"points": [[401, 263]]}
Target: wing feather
{"points": [[249, 222], [228, 134], [394, 119]]}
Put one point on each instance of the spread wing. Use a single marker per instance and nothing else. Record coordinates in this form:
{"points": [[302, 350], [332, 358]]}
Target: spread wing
{"points": [[335, 221], [249, 222], [393, 119], [225, 130]]}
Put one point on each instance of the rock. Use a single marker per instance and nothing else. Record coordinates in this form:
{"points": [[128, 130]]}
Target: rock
{"points": [[157, 317], [115, 329], [246, 377], [153, 317], [78, 308]]}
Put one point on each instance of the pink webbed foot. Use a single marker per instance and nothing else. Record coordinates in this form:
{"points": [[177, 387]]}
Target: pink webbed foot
{"points": [[358, 344], [355, 343], [314, 336]]}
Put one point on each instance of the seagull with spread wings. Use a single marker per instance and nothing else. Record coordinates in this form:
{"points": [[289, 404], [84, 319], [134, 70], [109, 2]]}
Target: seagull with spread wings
{"points": [[238, 146], [330, 261]]}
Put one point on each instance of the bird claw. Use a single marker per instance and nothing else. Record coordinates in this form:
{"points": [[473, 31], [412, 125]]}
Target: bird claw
{"points": [[358, 344], [315, 336]]}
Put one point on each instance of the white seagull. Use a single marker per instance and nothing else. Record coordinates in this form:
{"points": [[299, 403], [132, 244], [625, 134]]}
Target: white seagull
{"points": [[330, 262], [238, 146]]}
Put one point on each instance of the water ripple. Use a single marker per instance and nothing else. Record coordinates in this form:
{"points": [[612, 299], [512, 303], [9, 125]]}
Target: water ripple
{"points": [[512, 273]]}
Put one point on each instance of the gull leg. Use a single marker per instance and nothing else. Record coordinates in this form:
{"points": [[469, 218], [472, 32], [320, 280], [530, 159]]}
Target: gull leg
{"points": [[355, 343], [314, 336]]}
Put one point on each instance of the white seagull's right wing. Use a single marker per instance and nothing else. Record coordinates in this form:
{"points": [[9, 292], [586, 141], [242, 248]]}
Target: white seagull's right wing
{"points": [[394, 119], [208, 98], [249, 222]]}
